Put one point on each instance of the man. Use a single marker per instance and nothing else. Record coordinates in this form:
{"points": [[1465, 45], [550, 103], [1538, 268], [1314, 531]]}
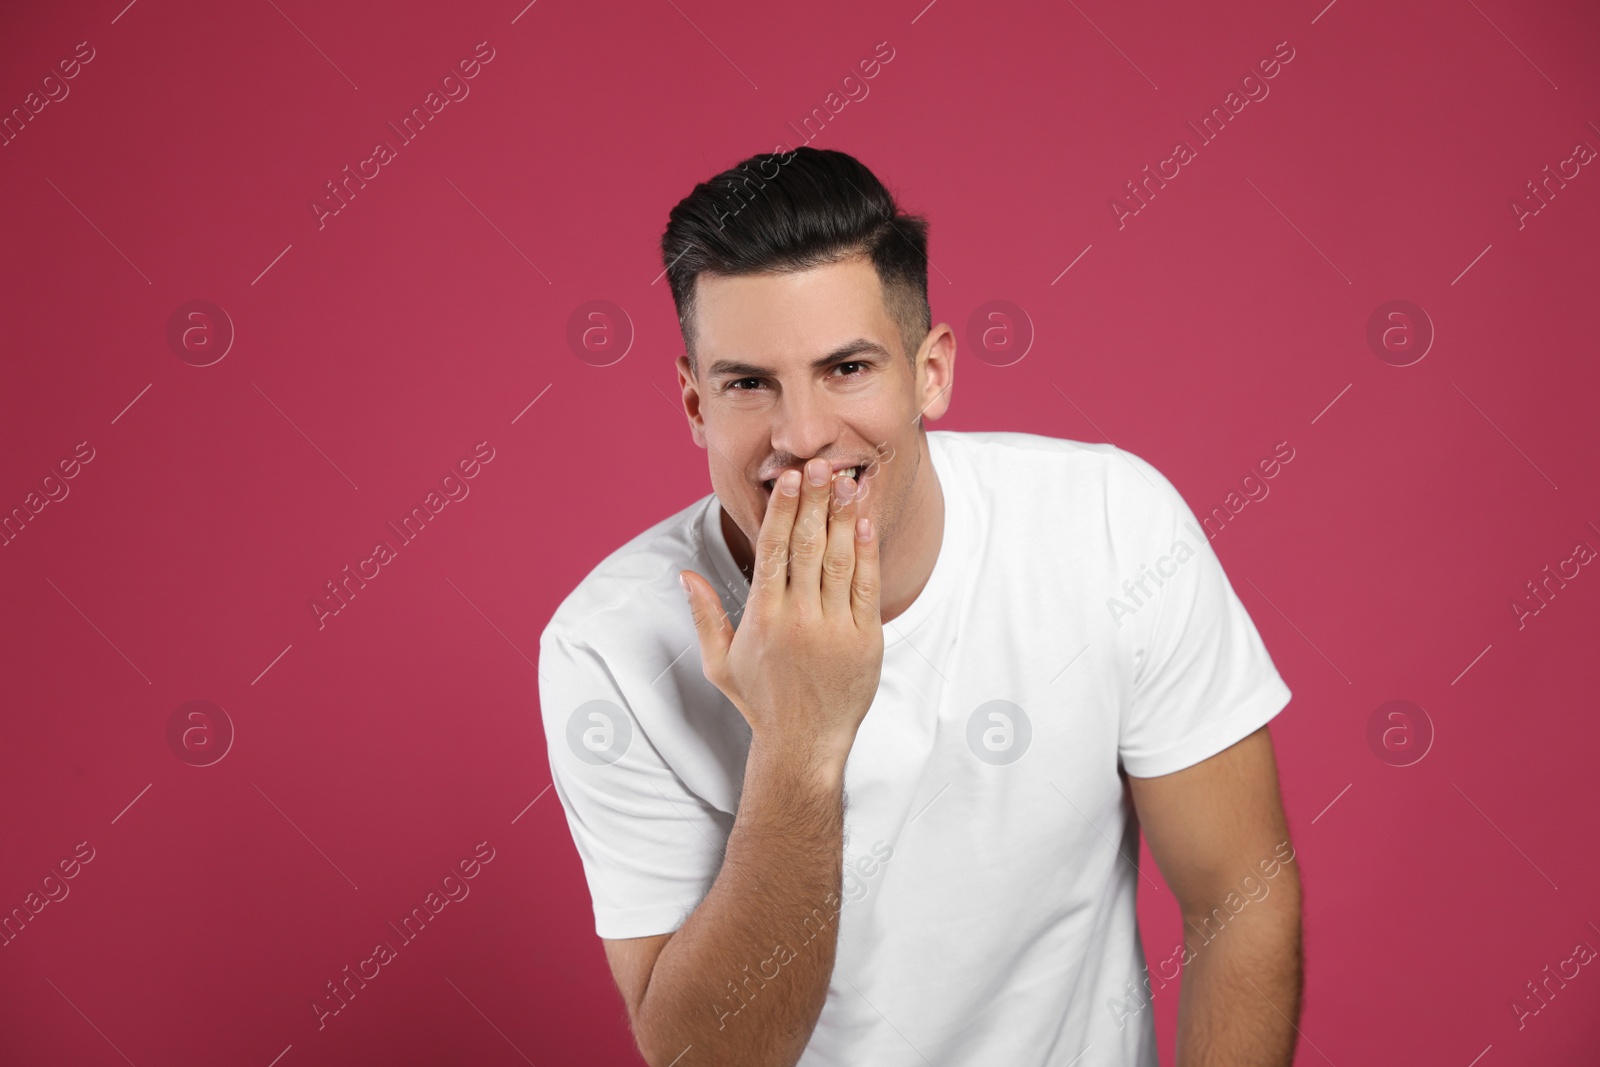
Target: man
{"points": [[874, 795]]}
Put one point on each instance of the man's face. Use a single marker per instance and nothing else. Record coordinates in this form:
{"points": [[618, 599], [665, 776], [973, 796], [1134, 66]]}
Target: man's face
{"points": [[809, 364]]}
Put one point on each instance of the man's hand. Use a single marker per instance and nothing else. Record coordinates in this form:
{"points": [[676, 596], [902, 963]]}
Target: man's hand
{"points": [[802, 669], [804, 664]]}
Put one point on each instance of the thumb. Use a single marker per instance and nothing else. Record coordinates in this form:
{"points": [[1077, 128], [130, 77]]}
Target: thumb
{"points": [[711, 624]]}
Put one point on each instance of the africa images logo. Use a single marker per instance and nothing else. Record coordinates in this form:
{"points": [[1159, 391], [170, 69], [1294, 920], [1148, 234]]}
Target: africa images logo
{"points": [[454, 89], [1180, 553]]}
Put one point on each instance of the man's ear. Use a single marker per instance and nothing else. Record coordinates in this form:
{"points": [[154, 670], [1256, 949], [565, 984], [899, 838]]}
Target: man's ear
{"points": [[691, 400], [936, 372]]}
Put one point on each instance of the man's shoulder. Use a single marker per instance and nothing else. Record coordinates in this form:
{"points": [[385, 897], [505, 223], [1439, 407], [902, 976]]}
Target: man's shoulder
{"points": [[1033, 451], [1014, 441], [634, 585], [1048, 471]]}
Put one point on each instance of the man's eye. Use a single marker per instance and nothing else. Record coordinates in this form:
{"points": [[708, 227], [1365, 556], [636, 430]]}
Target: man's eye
{"points": [[737, 385]]}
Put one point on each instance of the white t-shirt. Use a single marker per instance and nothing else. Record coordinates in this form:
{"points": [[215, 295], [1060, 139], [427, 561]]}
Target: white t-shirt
{"points": [[988, 907]]}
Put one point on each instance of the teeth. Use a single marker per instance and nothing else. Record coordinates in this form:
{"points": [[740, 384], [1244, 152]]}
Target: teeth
{"points": [[852, 472]]}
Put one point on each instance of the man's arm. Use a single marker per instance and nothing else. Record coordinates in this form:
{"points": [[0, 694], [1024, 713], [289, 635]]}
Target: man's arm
{"points": [[743, 980], [1218, 833]]}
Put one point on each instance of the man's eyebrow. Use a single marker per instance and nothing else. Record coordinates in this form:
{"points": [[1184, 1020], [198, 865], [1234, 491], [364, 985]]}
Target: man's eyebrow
{"points": [[848, 350]]}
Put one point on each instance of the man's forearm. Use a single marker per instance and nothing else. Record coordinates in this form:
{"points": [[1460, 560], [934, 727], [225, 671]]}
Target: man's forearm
{"points": [[1240, 1000], [744, 979]]}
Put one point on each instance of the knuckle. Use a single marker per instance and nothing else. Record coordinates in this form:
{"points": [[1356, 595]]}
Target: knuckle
{"points": [[838, 566], [806, 549], [770, 553]]}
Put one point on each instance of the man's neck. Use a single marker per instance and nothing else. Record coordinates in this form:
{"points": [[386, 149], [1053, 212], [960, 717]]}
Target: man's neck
{"points": [[906, 562]]}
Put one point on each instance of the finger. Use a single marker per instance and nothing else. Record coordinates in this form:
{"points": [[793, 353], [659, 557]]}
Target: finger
{"points": [[711, 625], [810, 537], [865, 588], [770, 574], [839, 559]]}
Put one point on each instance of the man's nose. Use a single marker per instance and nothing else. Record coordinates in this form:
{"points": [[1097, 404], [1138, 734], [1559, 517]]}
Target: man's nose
{"points": [[803, 426]]}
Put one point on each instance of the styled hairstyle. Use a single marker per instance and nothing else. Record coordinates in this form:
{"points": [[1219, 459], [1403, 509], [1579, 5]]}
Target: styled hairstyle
{"points": [[790, 211]]}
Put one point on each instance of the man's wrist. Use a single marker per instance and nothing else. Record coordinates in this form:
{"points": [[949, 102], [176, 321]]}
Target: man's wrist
{"points": [[808, 762]]}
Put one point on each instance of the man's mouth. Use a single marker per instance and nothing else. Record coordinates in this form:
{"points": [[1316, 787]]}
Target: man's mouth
{"points": [[855, 472]]}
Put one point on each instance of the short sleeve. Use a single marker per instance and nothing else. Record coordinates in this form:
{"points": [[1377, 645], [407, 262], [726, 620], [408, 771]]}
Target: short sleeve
{"points": [[1203, 678], [651, 848]]}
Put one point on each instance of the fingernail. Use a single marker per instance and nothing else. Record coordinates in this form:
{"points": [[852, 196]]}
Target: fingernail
{"points": [[683, 582], [817, 471], [843, 490], [789, 482]]}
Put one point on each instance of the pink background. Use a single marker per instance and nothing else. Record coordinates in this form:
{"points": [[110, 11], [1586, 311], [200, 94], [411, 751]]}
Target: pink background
{"points": [[373, 352]]}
